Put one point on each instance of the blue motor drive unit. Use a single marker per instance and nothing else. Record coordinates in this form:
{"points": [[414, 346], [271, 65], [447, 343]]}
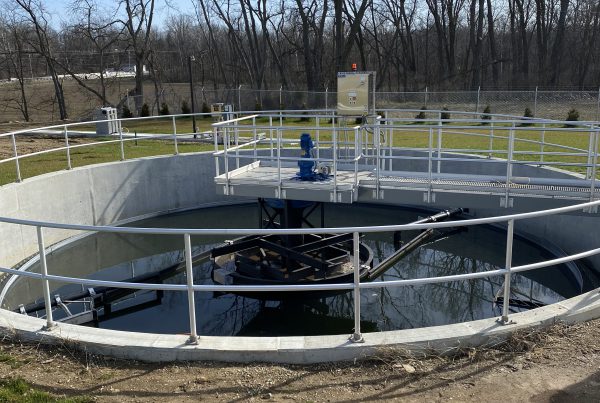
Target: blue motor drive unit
{"points": [[308, 171]]}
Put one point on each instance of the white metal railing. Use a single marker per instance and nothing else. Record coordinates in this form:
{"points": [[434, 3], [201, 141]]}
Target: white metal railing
{"points": [[366, 142], [373, 144], [356, 286]]}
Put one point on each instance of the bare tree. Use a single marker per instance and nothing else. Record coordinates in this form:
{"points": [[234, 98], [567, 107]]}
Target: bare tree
{"points": [[35, 14], [13, 39], [138, 26]]}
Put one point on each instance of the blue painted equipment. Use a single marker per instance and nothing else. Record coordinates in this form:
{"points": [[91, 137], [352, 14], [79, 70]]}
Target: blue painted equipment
{"points": [[307, 168]]}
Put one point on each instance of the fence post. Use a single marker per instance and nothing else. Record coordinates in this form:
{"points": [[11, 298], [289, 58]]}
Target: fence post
{"points": [[175, 137], [425, 97], [326, 96], [535, 102], [280, 97], [508, 264], [357, 335], [477, 105], [239, 99], [14, 144], [68, 149], [190, 289], [45, 285]]}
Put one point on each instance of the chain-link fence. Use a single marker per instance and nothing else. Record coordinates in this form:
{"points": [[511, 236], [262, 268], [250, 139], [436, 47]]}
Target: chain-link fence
{"points": [[542, 104]]}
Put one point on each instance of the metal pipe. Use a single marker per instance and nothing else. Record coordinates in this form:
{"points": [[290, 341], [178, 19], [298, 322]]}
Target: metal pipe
{"points": [[507, 267], [300, 231], [190, 289], [44, 276], [356, 336]]}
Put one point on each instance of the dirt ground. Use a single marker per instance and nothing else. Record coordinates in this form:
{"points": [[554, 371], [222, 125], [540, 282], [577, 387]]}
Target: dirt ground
{"points": [[560, 364]]}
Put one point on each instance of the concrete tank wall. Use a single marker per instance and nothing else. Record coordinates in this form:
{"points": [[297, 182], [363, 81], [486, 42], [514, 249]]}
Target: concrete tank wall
{"points": [[117, 192], [101, 195]]}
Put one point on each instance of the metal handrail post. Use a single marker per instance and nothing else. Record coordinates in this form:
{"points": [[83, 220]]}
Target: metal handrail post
{"points": [[491, 137], [45, 285], [121, 141], [226, 162], [590, 158], [509, 158], [68, 148], [18, 167], [594, 166], [543, 140], [508, 265], [356, 154], [357, 335], [377, 141], [430, 165], [335, 167], [318, 135], [190, 289], [236, 142], [439, 142], [271, 136], [216, 142], [279, 162], [175, 137], [390, 132]]}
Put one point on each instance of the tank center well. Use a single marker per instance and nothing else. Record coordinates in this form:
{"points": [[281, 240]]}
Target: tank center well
{"points": [[295, 260]]}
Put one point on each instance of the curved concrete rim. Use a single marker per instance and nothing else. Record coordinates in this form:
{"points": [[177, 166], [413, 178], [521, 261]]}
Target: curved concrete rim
{"points": [[298, 349]]}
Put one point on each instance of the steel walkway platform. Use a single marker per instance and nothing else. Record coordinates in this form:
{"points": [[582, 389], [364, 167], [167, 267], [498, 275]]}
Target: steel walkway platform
{"points": [[262, 179]]}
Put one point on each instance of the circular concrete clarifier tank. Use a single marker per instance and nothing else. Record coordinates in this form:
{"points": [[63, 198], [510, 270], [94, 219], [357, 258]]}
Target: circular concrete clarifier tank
{"points": [[132, 190]]}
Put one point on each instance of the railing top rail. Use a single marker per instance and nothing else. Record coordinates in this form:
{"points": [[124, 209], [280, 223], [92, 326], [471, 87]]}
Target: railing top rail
{"points": [[299, 231], [241, 118]]}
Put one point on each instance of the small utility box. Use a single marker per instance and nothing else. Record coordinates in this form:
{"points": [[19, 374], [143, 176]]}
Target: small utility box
{"points": [[355, 94], [221, 111], [107, 121]]}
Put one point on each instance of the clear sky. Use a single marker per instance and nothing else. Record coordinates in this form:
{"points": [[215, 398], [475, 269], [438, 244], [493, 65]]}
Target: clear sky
{"points": [[61, 10]]}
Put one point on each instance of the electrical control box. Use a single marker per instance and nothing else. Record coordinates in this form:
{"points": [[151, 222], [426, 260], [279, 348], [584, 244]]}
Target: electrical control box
{"points": [[221, 111], [355, 94]]}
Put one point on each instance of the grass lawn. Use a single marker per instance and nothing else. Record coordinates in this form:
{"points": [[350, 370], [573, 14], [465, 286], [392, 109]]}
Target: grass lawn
{"points": [[16, 390], [413, 136]]}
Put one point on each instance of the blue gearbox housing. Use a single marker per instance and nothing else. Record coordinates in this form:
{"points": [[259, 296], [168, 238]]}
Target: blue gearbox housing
{"points": [[307, 168]]}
